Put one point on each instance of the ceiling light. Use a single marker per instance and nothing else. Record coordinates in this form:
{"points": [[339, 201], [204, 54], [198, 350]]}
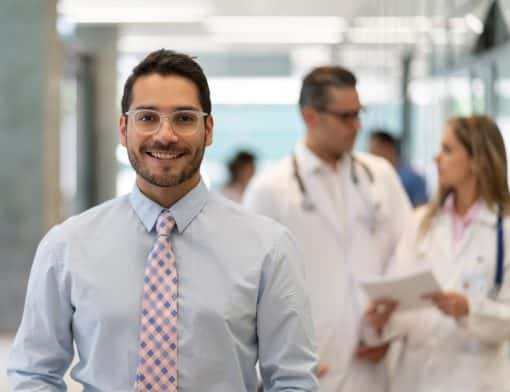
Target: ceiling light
{"points": [[288, 37], [420, 23], [375, 36], [276, 29], [474, 23], [140, 43], [255, 91], [110, 12], [275, 24]]}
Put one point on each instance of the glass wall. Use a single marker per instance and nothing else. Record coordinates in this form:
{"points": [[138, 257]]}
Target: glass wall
{"points": [[480, 86]]}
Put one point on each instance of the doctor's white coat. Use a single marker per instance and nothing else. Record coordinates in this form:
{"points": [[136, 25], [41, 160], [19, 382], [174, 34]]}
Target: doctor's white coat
{"points": [[441, 354], [338, 247]]}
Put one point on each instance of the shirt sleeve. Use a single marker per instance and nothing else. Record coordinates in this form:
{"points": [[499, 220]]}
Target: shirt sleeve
{"points": [[43, 347], [287, 351]]}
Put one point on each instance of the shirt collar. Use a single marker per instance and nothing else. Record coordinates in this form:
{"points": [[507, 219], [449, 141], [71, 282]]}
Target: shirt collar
{"points": [[479, 211], [183, 211]]}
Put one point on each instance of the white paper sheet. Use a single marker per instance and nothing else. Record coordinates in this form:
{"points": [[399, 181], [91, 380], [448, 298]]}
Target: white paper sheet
{"points": [[406, 289]]}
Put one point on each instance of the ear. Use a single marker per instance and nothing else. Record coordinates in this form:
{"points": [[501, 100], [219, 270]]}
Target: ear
{"points": [[309, 116], [209, 125], [123, 130]]}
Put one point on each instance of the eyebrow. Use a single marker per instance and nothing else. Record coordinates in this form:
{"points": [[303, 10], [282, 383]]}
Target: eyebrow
{"points": [[350, 110], [177, 108]]}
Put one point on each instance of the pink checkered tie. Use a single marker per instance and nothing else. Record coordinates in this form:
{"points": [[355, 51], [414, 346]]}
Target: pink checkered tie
{"points": [[157, 367]]}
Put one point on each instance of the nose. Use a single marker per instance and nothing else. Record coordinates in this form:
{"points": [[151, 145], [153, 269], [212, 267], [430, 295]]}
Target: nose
{"points": [[165, 131]]}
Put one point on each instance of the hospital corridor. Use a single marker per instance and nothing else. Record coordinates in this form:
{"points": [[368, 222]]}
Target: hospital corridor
{"points": [[254, 195]]}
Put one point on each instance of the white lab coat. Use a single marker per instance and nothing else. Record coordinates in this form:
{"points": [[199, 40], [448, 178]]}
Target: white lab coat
{"points": [[440, 354], [338, 248]]}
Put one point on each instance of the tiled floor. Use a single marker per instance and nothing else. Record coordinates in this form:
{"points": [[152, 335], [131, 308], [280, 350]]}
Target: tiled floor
{"points": [[5, 345]]}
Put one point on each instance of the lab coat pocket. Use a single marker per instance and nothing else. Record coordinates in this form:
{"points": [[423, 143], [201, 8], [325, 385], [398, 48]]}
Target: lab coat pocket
{"points": [[475, 284], [374, 217]]}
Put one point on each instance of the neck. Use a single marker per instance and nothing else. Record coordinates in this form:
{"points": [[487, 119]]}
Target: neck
{"points": [[167, 196], [238, 185], [393, 160], [329, 159], [465, 197]]}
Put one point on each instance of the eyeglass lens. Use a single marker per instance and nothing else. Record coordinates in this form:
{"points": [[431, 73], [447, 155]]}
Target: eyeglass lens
{"points": [[183, 122]]}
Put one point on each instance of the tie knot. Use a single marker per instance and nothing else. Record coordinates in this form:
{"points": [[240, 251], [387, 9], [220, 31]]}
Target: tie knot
{"points": [[165, 223]]}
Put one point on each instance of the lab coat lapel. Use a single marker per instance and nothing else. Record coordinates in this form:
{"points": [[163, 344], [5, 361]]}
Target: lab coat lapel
{"points": [[485, 218], [323, 203], [462, 251], [441, 245]]}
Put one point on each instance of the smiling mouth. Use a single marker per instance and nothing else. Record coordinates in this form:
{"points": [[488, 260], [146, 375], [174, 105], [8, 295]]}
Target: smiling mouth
{"points": [[165, 155]]}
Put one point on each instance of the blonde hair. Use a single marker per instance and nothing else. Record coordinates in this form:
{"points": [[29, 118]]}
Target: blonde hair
{"points": [[482, 140]]}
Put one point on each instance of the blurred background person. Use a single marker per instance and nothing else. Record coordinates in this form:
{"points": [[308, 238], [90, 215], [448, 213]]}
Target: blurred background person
{"points": [[385, 145], [346, 211], [241, 169], [460, 344]]}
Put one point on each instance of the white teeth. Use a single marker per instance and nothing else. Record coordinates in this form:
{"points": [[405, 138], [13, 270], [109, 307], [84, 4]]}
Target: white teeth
{"points": [[162, 155]]}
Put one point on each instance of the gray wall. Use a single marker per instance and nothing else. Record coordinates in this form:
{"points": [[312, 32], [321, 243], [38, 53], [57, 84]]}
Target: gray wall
{"points": [[29, 107]]}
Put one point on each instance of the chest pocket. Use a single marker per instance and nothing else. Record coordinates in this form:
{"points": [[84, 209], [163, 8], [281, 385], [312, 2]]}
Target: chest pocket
{"points": [[476, 281], [478, 259], [372, 210]]}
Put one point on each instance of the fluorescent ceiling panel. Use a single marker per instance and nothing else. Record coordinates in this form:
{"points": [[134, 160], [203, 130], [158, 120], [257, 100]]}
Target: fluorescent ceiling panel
{"points": [[97, 12]]}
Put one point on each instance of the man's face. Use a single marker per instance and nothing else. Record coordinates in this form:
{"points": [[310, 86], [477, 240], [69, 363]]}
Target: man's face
{"points": [[382, 149], [338, 124], [165, 159]]}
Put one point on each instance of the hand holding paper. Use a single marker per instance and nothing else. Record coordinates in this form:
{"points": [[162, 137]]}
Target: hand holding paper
{"points": [[451, 304], [407, 290]]}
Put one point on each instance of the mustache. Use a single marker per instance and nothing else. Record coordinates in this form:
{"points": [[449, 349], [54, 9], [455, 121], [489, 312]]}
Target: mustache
{"points": [[172, 148]]}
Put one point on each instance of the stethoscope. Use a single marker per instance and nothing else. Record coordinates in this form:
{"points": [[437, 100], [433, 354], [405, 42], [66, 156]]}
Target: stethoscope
{"points": [[500, 255], [372, 206]]}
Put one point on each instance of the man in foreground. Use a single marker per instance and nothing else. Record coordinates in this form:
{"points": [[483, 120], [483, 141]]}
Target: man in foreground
{"points": [[167, 288]]}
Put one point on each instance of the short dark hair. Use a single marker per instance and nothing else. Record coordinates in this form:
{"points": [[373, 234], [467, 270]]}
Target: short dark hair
{"points": [[315, 87], [242, 158], [167, 62], [384, 136]]}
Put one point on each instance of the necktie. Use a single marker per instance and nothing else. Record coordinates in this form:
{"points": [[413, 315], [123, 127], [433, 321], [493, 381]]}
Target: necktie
{"points": [[157, 367]]}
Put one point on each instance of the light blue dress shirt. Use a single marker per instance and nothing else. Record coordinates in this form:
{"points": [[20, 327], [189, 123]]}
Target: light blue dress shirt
{"points": [[241, 299]]}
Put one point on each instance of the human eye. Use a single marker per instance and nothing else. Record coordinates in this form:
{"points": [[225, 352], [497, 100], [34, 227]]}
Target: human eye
{"points": [[147, 116], [185, 117]]}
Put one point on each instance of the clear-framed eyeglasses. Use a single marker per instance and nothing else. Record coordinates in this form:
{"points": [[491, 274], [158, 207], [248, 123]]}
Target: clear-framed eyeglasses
{"points": [[182, 122]]}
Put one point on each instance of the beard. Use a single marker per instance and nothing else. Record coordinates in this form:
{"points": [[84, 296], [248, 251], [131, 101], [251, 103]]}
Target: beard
{"points": [[166, 180]]}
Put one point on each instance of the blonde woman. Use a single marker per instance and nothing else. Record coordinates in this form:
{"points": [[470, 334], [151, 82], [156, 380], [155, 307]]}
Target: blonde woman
{"points": [[460, 343]]}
